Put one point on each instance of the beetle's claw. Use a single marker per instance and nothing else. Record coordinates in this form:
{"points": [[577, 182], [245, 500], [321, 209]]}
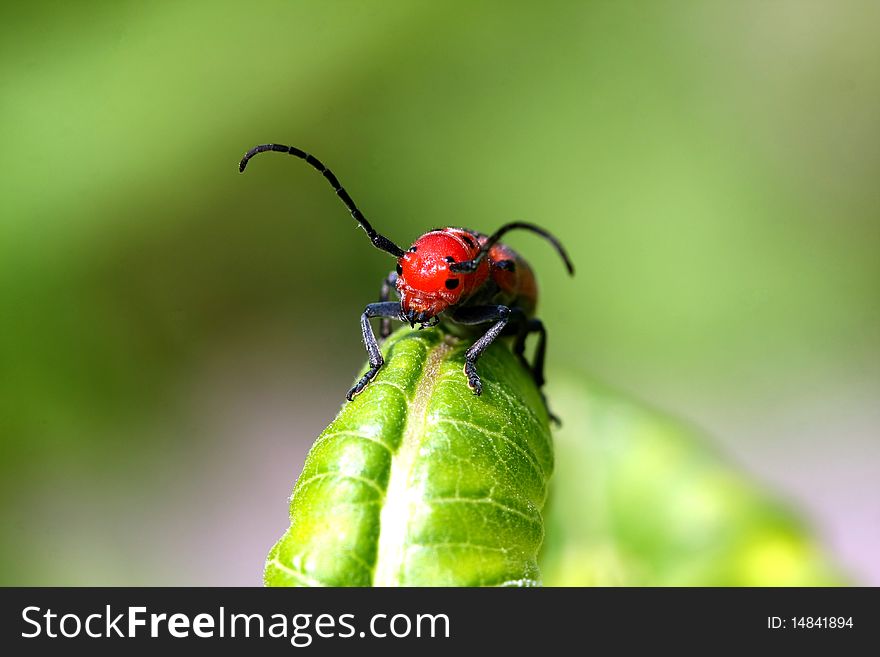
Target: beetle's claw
{"points": [[362, 383], [473, 378]]}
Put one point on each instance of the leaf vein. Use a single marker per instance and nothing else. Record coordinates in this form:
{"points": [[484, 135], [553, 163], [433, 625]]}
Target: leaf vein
{"points": [[343, 475], [351, 434], [483, 500], [536, 466], [309, 581]]}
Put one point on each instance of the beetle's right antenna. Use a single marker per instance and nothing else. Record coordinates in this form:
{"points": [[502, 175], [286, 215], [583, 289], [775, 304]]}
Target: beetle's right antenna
{"points": [[379, 241], [469, 266]]}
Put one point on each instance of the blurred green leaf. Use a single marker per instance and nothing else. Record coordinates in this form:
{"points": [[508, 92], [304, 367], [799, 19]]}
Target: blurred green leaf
{"points": [[639, 499], [419, 482]]}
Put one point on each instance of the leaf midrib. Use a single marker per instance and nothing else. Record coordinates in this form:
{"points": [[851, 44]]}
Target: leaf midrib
{"points": [[399, 495]]}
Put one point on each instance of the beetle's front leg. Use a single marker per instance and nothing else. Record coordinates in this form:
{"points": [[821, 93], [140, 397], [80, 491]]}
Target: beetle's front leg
{"points": [[387, 309], [481, 315]]}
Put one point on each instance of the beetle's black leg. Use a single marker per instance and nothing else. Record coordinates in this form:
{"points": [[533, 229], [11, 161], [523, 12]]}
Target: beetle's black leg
{"points": [[389, 309], [481, 315], [537, 326], [519, 321], [390, 283], [537, 367]]}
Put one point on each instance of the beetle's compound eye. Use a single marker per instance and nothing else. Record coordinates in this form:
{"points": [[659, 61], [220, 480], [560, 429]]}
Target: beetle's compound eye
{"points": [[399, 269], [452, 283], [449, 259]]}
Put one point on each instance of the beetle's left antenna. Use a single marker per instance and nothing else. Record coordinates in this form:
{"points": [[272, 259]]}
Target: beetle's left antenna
{"points": [[379, 241]]}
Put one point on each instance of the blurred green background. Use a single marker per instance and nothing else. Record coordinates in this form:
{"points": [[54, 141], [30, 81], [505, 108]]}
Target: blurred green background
{"points": [[173, 335]]}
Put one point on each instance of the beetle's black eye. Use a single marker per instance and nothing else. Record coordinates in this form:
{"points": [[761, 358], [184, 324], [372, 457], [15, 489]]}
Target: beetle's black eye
{"points": [[452, 283], [399, 269], [449, 259], [412, 249]]}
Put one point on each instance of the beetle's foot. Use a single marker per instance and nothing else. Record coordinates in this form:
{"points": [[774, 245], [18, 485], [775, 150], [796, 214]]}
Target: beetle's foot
{"points": [[365, 379], [473, 378], [550, 414]]}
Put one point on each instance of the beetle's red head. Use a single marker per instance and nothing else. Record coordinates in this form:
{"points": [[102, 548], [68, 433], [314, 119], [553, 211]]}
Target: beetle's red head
{"points": [[425, 284]]}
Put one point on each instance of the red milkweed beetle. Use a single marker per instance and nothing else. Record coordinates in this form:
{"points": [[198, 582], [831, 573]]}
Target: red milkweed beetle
{"points": [[468, 278]]}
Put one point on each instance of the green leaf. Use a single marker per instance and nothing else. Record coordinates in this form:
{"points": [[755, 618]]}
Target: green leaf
{"points": [[419, 482], [640, 499]]}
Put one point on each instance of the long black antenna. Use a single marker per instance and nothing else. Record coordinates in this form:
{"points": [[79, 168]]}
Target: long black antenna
{"points": [[379, 241], [471, 265]]}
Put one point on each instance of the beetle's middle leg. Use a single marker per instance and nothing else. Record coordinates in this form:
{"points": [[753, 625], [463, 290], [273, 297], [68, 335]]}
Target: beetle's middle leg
{"points": [[537, 366], [390, 283], [519, 346]]}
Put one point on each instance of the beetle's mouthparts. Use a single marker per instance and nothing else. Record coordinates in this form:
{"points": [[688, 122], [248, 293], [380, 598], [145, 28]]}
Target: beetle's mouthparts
{"points": [[412, 317]]}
